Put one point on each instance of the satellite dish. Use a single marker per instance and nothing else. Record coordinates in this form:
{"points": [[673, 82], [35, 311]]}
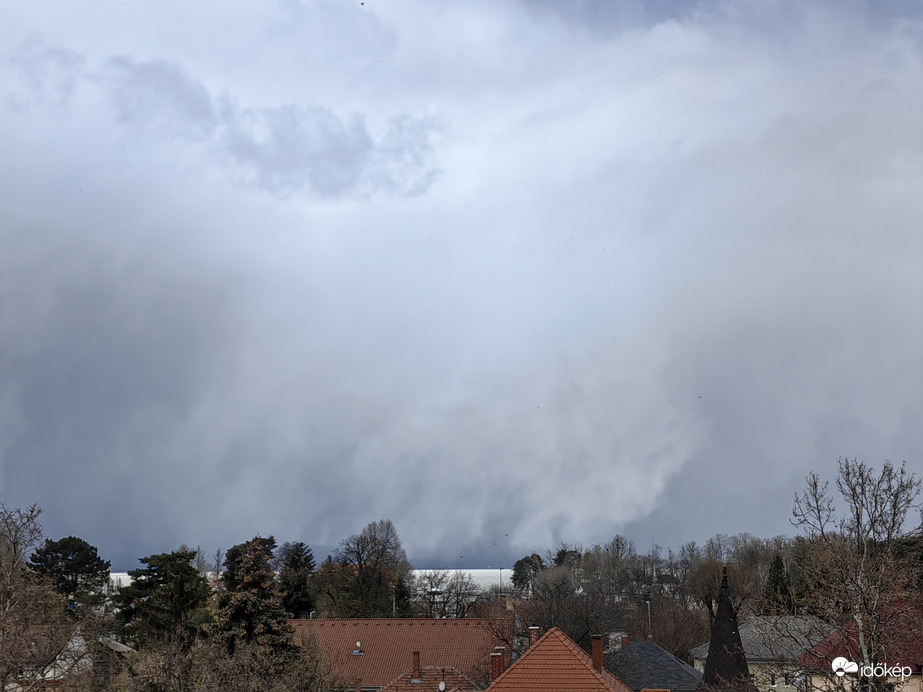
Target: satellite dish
{"points": [[442, 686], [358, 645]]}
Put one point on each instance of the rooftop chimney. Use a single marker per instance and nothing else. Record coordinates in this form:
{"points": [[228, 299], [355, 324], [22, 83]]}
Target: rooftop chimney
{"points": [[598, 652], [496, 665], [534, 634], [624, 640], [650, 637], [774, 612], [502, 651], [416, 666]]}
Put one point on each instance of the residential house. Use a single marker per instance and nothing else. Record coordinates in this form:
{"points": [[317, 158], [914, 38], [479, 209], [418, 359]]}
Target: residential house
{"points": [[43, 656], [772, 645], [901, 637]]}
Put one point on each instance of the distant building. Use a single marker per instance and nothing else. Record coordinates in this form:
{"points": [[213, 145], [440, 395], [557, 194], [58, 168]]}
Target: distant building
{"points": [[56, 656], [117, 580]]}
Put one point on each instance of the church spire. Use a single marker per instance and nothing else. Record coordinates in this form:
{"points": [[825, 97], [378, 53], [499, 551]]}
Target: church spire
{"points": [[726, 665]]}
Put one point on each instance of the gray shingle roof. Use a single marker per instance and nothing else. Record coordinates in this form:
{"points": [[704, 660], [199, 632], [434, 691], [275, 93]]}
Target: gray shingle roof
{"points": [[643, 665]]}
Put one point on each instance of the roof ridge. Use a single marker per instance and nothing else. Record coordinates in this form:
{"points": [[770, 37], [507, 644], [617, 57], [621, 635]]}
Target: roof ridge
{"points": [[458, 672], [676, 658], [605, 677], [578, 650]]}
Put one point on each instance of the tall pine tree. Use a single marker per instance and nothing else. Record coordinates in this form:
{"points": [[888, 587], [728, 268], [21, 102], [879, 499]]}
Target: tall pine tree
{"points": [[295, 579], [74, 568], [165, 600], [250, 611], [777, 594]]}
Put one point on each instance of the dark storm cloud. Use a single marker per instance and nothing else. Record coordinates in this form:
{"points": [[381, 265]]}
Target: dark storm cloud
{"points": [[106, 348], [665, 272]]}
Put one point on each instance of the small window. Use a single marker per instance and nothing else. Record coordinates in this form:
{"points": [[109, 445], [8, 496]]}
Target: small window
{"points": [[787, 679], [772, 679]]}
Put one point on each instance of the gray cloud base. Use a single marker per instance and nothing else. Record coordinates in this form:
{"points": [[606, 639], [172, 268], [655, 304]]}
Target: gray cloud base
{"points": [[641, 282]]}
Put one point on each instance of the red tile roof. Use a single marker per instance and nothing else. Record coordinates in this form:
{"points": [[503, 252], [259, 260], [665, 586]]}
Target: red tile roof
{"points": [[556, 663], [387, 645]]}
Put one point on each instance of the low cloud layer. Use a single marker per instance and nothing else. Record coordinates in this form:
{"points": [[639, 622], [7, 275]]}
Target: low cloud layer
{"points": [[506, 275]]}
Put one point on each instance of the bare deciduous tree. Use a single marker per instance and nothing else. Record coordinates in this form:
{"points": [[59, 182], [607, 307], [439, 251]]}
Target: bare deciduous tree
{"points": [[429, 587], [369, 576], [20, 534], [854, 574], [674, 625], [34, 625], [442, 594]]}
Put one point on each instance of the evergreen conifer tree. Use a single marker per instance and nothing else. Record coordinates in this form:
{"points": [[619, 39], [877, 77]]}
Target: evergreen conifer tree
{"points": [[777, 594], [295, 579], [165, 600], [74, 567], [250, 611], [233, 557]]}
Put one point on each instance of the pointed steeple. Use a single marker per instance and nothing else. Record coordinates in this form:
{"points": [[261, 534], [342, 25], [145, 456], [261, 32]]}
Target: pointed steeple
{"points": [[726, 665]]}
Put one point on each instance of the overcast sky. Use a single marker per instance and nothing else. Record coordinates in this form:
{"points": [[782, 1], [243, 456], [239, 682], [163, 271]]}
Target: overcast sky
{"points": [[506, 273]]}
